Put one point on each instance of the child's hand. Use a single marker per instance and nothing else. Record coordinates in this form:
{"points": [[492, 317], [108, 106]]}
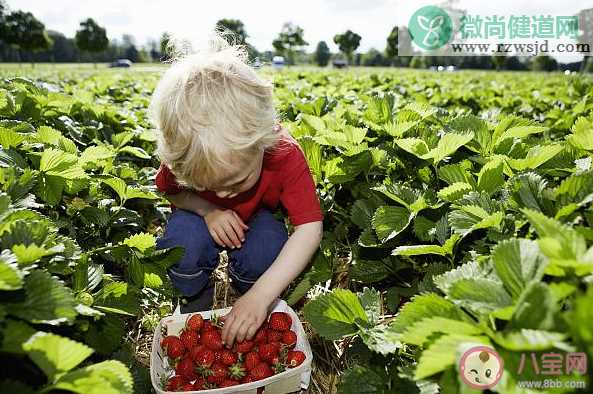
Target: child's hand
{"points": [[242, 322], [226, 227]]}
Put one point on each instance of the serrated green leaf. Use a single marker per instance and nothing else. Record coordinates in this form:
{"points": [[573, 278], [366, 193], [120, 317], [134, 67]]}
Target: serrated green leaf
{"points": [[420, 332], [535, 308], [582, 134], [454, 191], [107, 377], [55, 354], [443, 353], [14, 335], [334, 314], [389, 221], [424, 306], [11, 278], [491, 177], [47, 300], [141, 241], [447, 145], [518, 262], [481, 295], [370, 299], [118, 297], [418, 250], [532, 340], [536, 156]]}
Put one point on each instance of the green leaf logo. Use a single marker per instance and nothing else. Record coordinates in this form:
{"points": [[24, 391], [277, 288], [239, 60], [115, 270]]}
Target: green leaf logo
{"points": [[430, 27]]}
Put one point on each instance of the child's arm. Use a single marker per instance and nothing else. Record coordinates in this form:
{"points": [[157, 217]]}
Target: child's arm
{"points": [[225, 225], [251, 310]]}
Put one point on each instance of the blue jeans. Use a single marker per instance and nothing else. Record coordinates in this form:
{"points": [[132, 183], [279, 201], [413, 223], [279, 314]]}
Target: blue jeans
{"points": [[263, 241]]}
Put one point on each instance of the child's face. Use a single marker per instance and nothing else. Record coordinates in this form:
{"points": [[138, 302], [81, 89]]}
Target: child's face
{"points": [[245, 177]]}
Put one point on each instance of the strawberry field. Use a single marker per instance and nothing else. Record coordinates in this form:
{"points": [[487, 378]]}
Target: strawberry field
{"points": [[458, 212]]}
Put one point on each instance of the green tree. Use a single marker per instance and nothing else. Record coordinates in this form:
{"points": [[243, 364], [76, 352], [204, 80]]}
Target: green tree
{"points": [[289, 40], [322, 54], [236, 27], [391, 48], [22, 30], [499, 62], [348, 42], [91, 37], [544, 63], [164, 46], [374, 58]]}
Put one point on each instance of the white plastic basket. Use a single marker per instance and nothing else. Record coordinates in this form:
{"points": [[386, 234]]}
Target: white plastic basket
{"points": [[291, 380]]}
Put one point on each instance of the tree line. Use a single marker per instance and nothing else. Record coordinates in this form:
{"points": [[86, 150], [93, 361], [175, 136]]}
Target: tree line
{"points": [[24, 38]]}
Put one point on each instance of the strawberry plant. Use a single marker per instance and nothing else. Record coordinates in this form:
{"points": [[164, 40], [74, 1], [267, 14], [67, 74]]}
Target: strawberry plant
{"points": [[458, 212]]}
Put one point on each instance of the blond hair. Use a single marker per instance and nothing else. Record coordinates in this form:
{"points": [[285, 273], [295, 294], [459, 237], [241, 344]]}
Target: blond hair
{"points": [[208, 106]]}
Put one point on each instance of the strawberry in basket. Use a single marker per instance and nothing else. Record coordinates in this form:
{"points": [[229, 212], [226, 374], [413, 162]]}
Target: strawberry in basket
{"points": [[199, 360]]}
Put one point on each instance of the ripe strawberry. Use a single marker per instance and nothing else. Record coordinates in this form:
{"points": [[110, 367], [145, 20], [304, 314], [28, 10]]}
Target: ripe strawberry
{"points": [[203, 357], [219, 373], [185, 369], [294, 358], [236, 371], [189, 339], [261, 371], [244, 346], [251, 360], [267, 351], [195, 322], [228, 383], [187, 387], [211, 339], [280, 321], [289, 338], [207, 326], [173, 346], [175, 383], [247, 379], [200, 384], [261, 336], [227, 357], [274, 336]]}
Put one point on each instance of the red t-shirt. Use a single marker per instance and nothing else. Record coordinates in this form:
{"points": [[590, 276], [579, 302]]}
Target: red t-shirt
{"points": [[285, 178]]}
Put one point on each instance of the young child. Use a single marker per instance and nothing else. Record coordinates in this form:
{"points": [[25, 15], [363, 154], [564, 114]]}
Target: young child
{"points": [[227, 164]]}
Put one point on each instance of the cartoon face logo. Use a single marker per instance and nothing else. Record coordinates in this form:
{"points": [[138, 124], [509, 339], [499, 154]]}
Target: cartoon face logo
{"points": [[481, 367]]}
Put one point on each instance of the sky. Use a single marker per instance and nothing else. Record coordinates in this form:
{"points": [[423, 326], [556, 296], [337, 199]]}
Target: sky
{"points": [[321, 19]]}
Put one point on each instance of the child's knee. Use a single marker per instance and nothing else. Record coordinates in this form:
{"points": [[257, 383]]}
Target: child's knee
{"points": [[200, 257]]}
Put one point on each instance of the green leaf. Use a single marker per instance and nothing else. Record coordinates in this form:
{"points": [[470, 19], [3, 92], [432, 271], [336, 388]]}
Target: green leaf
{"points": [[447, 145], [491, 178], [454, 191], [520, 132], [531, 340], [535, 308], [11, 278], [420, 332], [141, 241], [61, 164], [359, 379], [118, 185], [333, 315], [418, 250], [370, 299], [118, 297], [443, 353], [530, 191], [135, 151], [468, 270], [424, 306], [14, 335], [480, 295], [459, 172], [362, 211], [55, 354], [389, 221], [415, 146], [10, 138], [47, 300], [536, 156], [312, 151], [380, 339], [518, 262], [582, 134], [107, 377], [470, 218]]}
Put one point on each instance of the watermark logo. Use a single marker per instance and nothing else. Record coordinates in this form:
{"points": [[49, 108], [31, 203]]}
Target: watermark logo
{"points": [[430, 27], [481, 367]]}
